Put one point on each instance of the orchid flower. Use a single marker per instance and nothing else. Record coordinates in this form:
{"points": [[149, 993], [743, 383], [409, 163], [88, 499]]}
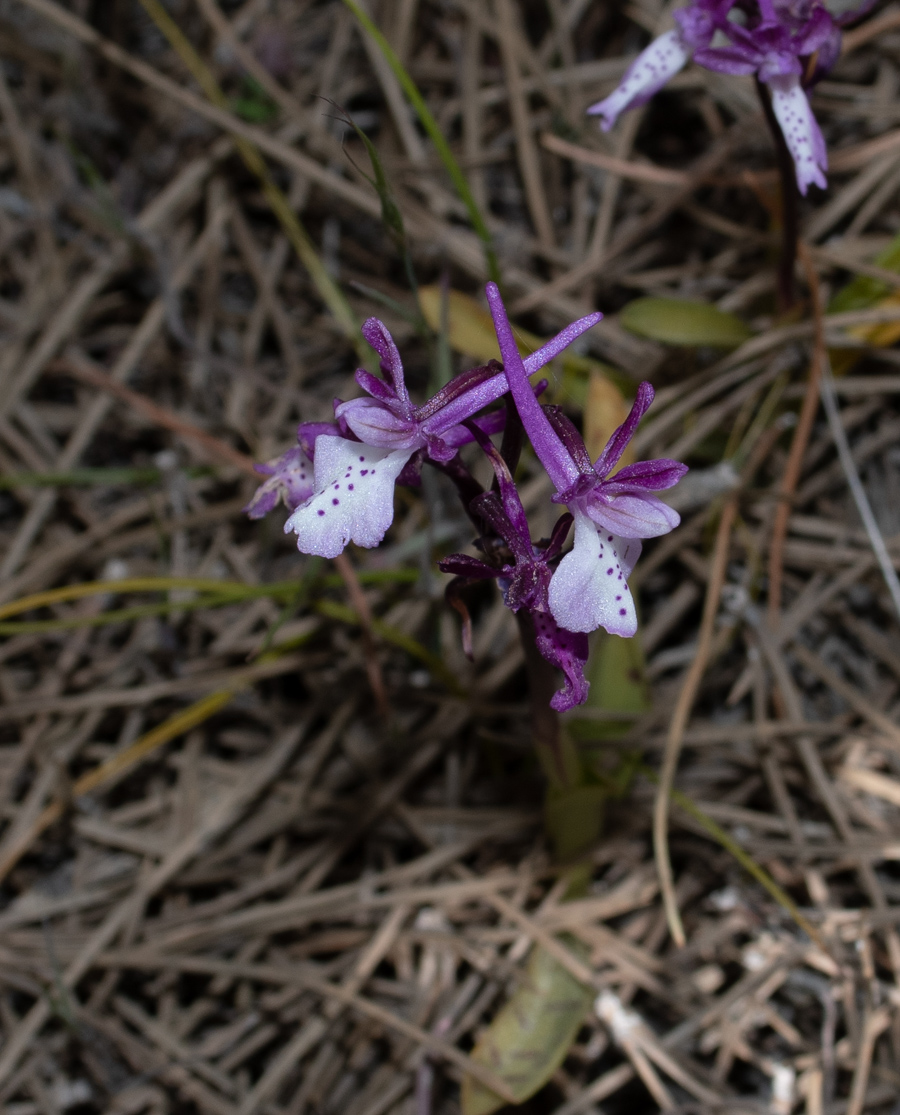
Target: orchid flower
{"points": [[589, 588], [773, 39], [525, 576], [663, 59], [357, 463]]}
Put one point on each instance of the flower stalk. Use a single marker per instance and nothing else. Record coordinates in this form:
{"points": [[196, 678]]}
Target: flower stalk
{"points": [[790, 207]]}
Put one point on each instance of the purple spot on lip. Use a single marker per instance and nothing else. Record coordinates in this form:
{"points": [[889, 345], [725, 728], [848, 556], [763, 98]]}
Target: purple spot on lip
{"points": [[622, 612], [321, 512], [609, 572], [350, 487], [335, 502], [364, 472]]}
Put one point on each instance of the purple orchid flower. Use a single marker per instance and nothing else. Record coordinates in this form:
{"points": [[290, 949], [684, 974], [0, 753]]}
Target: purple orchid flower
{"points": [[525, 576], [772, 39], [353, 491], [663, 59], [589, 588]]}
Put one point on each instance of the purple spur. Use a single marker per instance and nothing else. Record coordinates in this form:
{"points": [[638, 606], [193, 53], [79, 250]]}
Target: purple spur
{"points": [[785, 43]]}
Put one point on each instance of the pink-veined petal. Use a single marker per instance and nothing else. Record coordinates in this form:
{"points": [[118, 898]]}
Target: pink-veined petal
{"points": [[632, 514], [647, 74], [801, 132], [588, 589], [354, 499], [654, 475]]}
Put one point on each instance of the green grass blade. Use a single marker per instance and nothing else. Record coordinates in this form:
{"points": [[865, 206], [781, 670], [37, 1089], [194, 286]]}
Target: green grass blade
{"points": [[329, 291], [749, 864], [436, 135]]}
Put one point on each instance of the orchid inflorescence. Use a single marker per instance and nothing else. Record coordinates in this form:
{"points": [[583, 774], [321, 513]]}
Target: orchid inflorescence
{"points": [[338, 483], [786, 44]]}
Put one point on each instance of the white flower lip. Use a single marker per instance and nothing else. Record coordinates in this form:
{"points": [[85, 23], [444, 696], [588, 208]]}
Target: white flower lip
{"points": [[589, 588], [353, 500]]}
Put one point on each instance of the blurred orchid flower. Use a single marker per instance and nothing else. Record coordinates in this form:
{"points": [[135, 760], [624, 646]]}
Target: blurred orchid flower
{"points": [[785, 43]]}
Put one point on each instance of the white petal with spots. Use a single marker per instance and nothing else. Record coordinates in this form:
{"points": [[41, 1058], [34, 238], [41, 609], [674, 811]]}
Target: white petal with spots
{"points": [[353, 500], [801, 132], [589, 588], [649, 72]]}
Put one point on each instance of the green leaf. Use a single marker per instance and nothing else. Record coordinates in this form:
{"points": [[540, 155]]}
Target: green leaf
{"points": [[530, 1037], [254, 104], [863, 291], [573, 819], [677, 321], [617, 673]]}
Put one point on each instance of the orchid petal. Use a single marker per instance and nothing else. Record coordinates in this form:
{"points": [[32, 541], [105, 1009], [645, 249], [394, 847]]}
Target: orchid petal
{"points": [[290, 480], [801, 133], [309, 432], [588, 589], [649, 72], [731, 60], [376, 333], [616, 445], [492, 423], [376, 424], [696, 26], [377, 388], [462, 565], [561, 341], [570, 437], [354, 497], [631, 514], [647, 475], [550, 450]]}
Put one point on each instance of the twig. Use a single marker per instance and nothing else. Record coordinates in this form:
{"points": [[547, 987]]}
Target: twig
{"points": [[117, 765], [832, 412], [789, 199], [345, 568], [678, 724], [85, 370], [876, 538]]}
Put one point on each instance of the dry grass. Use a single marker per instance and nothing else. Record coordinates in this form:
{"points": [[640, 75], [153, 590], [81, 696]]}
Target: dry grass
{"points": [[296, 904]]}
